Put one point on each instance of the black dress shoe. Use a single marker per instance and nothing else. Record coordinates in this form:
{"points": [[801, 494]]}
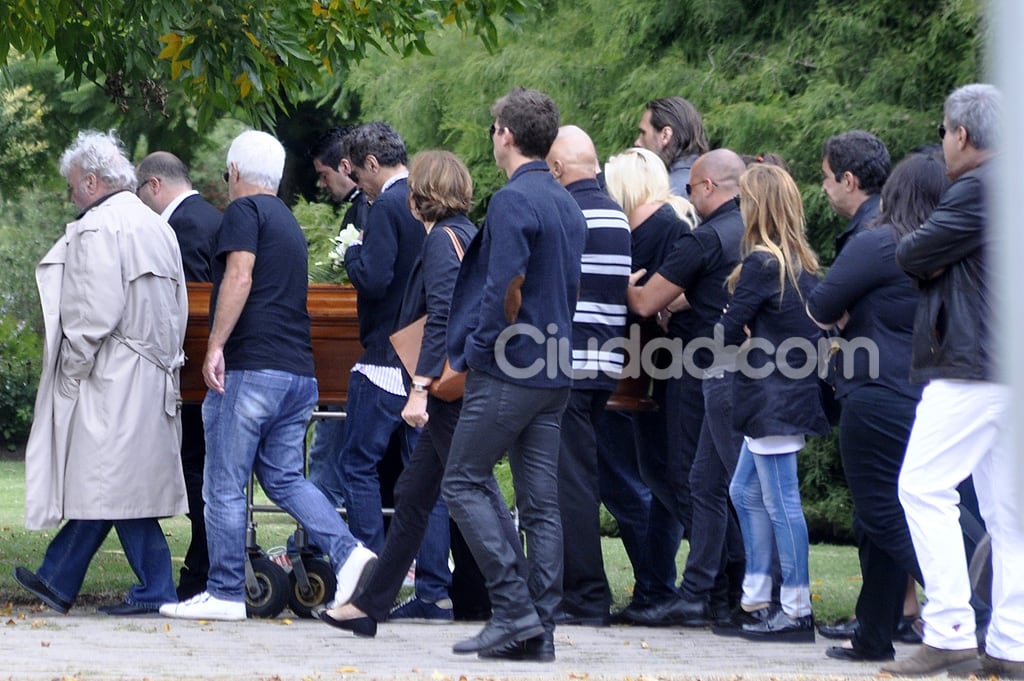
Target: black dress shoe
{"points": [[854, 655], [627, 614], [733, 625], [839, 630], [674, 612], [781, 628], [28, 581], [537, 649], [574, 619], [125, 609], [499, 632], [365, 627]]}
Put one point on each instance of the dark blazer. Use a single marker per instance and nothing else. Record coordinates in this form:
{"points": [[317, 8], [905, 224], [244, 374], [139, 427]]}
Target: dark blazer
{"points": [[948, 258], [773, 404], [522, 268], [195, 222]]}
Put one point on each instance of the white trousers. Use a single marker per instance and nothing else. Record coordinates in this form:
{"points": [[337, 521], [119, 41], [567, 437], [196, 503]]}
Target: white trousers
{"points": [[961, 429]]}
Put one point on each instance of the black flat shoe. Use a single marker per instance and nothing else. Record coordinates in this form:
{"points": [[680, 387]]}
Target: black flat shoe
{"points": [[28, 581], [854, 655], [839, 631], [360, 626]]}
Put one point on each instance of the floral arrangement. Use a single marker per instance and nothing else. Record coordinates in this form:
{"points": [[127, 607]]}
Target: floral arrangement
{"points": [[326, 246]]}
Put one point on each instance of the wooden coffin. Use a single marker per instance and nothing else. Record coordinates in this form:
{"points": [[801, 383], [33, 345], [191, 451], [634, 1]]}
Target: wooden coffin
{"points": [[335, 331]]}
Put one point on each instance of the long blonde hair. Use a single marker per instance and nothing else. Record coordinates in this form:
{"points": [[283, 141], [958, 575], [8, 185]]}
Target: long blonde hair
{"points": [[773, 213], [638, 176]]}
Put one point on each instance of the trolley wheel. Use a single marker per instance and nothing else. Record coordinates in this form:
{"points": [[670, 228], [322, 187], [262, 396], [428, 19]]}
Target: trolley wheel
{"points": [[272, 585], [322, 583]]}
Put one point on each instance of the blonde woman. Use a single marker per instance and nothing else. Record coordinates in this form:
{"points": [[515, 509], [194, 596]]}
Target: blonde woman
{"points": [[667, 438], [776, 400]]}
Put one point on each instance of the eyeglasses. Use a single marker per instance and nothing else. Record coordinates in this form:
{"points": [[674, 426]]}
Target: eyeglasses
{"points": [[689, 187], [353, 175], [141, 185], [494, 128], [227, 175], [942, 131]]}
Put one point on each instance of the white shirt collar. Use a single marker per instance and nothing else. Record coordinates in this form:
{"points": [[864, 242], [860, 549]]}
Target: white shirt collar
{"points": [[166, 215]]}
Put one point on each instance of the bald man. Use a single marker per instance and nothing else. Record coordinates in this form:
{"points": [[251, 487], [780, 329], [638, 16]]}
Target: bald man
{"points": [[698, 266], [165, 186], [600, 316]]}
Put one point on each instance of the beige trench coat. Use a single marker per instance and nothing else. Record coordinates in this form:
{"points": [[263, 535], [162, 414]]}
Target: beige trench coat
{"points": [[106, 436]]}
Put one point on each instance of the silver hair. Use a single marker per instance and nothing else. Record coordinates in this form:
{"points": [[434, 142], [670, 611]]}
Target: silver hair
{"points": [[102, 154], [259, 158], [978, 108]]}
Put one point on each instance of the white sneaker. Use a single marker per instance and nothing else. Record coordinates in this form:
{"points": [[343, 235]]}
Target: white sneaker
{"points": [[205, 607], [354, 574]]}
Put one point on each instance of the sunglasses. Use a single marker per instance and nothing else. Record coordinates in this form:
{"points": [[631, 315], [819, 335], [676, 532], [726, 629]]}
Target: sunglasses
{"points": [[493, 129], [689, 187], [942, 131]]}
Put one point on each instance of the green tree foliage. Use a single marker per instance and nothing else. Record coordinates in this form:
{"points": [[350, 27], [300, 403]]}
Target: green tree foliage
{"points": [[773, 75], [23, 146], [228, 54]]}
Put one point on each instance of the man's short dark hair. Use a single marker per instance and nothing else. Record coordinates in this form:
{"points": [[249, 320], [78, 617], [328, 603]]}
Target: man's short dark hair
{"points": [[532, 117], [376, 139], [688, 136], [862, 155], [329, 147]]}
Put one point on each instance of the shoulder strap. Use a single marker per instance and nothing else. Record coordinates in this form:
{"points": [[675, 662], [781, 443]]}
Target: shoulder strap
{"points": [[455, 242]]}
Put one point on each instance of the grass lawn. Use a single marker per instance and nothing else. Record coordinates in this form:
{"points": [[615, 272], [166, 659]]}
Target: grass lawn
{"points": [[835, 573]]}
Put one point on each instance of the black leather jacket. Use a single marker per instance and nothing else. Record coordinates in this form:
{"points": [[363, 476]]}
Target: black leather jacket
{"points": [[948, 256]]}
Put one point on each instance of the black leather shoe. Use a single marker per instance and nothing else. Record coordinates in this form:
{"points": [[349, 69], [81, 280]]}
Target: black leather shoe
{"points": [[839, 630], [854, 655], [365, 627], [497, 633], [734, 624], [675, 612], [573, 619], [628, 614], [28, 581], [537, 649], [781, 628], [125, 609]]}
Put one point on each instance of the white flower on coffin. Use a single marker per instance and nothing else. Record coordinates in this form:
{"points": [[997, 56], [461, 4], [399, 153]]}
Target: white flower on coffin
{"points": [[346, 238]]}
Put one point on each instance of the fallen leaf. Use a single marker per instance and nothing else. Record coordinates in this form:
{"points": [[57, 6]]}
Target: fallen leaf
{"points": [[644, 645], [348, 670], [11, 623], [45, 644], [286, 621]]}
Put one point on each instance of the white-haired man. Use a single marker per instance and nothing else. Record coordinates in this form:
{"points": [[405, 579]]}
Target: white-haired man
{"points": [[259, 369], [115, 307]]}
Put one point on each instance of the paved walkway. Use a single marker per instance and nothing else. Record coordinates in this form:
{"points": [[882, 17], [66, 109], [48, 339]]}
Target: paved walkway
{"points": [[38, 644]]}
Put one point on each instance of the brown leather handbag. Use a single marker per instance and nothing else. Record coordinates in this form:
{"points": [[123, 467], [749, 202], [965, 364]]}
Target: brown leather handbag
{"points": [[451, 384]]}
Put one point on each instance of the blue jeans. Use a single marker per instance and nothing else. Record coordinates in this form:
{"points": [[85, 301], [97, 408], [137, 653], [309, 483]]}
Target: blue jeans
{"points": [[325, 458], [766, 494], [499, 417], [374, 415], [259, 424], [70, 552]]}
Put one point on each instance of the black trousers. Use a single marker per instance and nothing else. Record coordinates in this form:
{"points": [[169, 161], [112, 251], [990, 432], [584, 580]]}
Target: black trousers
{"points": [[714, 521], [874, 427], [192, 579], [416, 492], [585, 588]]}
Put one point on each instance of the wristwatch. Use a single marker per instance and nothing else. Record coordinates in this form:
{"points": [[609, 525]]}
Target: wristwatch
{"points": [[418, 387]]}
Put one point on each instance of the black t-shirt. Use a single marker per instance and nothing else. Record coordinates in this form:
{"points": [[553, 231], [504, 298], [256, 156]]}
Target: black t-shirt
{"points": [[651, 242], [273, 331]]}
